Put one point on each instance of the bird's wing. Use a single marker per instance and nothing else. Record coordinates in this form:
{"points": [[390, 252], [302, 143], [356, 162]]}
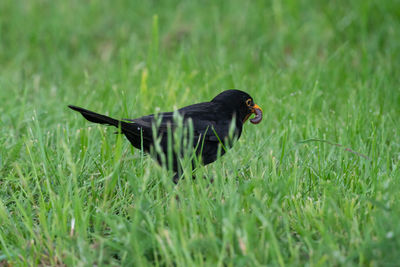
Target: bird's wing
{"points": [[208, 123]]}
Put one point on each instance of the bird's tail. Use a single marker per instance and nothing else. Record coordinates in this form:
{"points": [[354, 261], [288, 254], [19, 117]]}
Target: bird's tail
{"points": [[95, 117]]}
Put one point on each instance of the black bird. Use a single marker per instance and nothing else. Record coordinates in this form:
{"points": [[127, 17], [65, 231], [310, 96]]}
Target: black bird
{"points": [[214, 124]]}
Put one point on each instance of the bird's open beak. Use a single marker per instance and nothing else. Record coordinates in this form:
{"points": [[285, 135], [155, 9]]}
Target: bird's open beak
{"points": [[255, 110], [258, 111]]}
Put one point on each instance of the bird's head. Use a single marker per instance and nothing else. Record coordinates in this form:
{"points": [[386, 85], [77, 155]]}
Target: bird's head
{"points": [[241, 104]]}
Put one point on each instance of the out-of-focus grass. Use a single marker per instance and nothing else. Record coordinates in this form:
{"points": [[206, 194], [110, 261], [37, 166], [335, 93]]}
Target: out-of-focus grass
{"points": [[74, 193]]}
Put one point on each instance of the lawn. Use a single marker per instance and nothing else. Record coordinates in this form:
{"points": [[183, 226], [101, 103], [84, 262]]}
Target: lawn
{"points": [[315, 183]]}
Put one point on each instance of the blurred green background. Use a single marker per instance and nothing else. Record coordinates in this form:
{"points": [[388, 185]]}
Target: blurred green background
{"points": [[73, 193]]}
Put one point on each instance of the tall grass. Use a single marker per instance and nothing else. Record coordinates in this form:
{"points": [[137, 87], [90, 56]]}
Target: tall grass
{"points": [[74, 193]]}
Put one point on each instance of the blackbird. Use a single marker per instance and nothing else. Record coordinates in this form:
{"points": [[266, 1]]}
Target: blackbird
{"points": [[213, 127]]}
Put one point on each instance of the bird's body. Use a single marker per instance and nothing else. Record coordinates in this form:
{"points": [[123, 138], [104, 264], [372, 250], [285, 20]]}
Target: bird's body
{"points": [[208, 125]]}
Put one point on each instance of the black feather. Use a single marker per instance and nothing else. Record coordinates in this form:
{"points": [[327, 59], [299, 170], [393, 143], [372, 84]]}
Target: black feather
{"points": [[95, 117]]}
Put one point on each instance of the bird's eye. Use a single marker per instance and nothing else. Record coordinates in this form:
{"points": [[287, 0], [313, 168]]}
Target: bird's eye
{"points": [[248, 102]]}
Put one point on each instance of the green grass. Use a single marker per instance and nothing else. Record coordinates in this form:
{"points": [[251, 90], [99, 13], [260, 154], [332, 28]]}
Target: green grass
{"points": [[73, 193]]}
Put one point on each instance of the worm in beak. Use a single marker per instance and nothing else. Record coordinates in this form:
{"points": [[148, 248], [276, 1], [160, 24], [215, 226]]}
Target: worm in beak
{"points": [[258, 111]]}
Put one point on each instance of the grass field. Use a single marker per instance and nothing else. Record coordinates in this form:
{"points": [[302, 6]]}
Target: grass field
{"points": [[73, 193]]}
